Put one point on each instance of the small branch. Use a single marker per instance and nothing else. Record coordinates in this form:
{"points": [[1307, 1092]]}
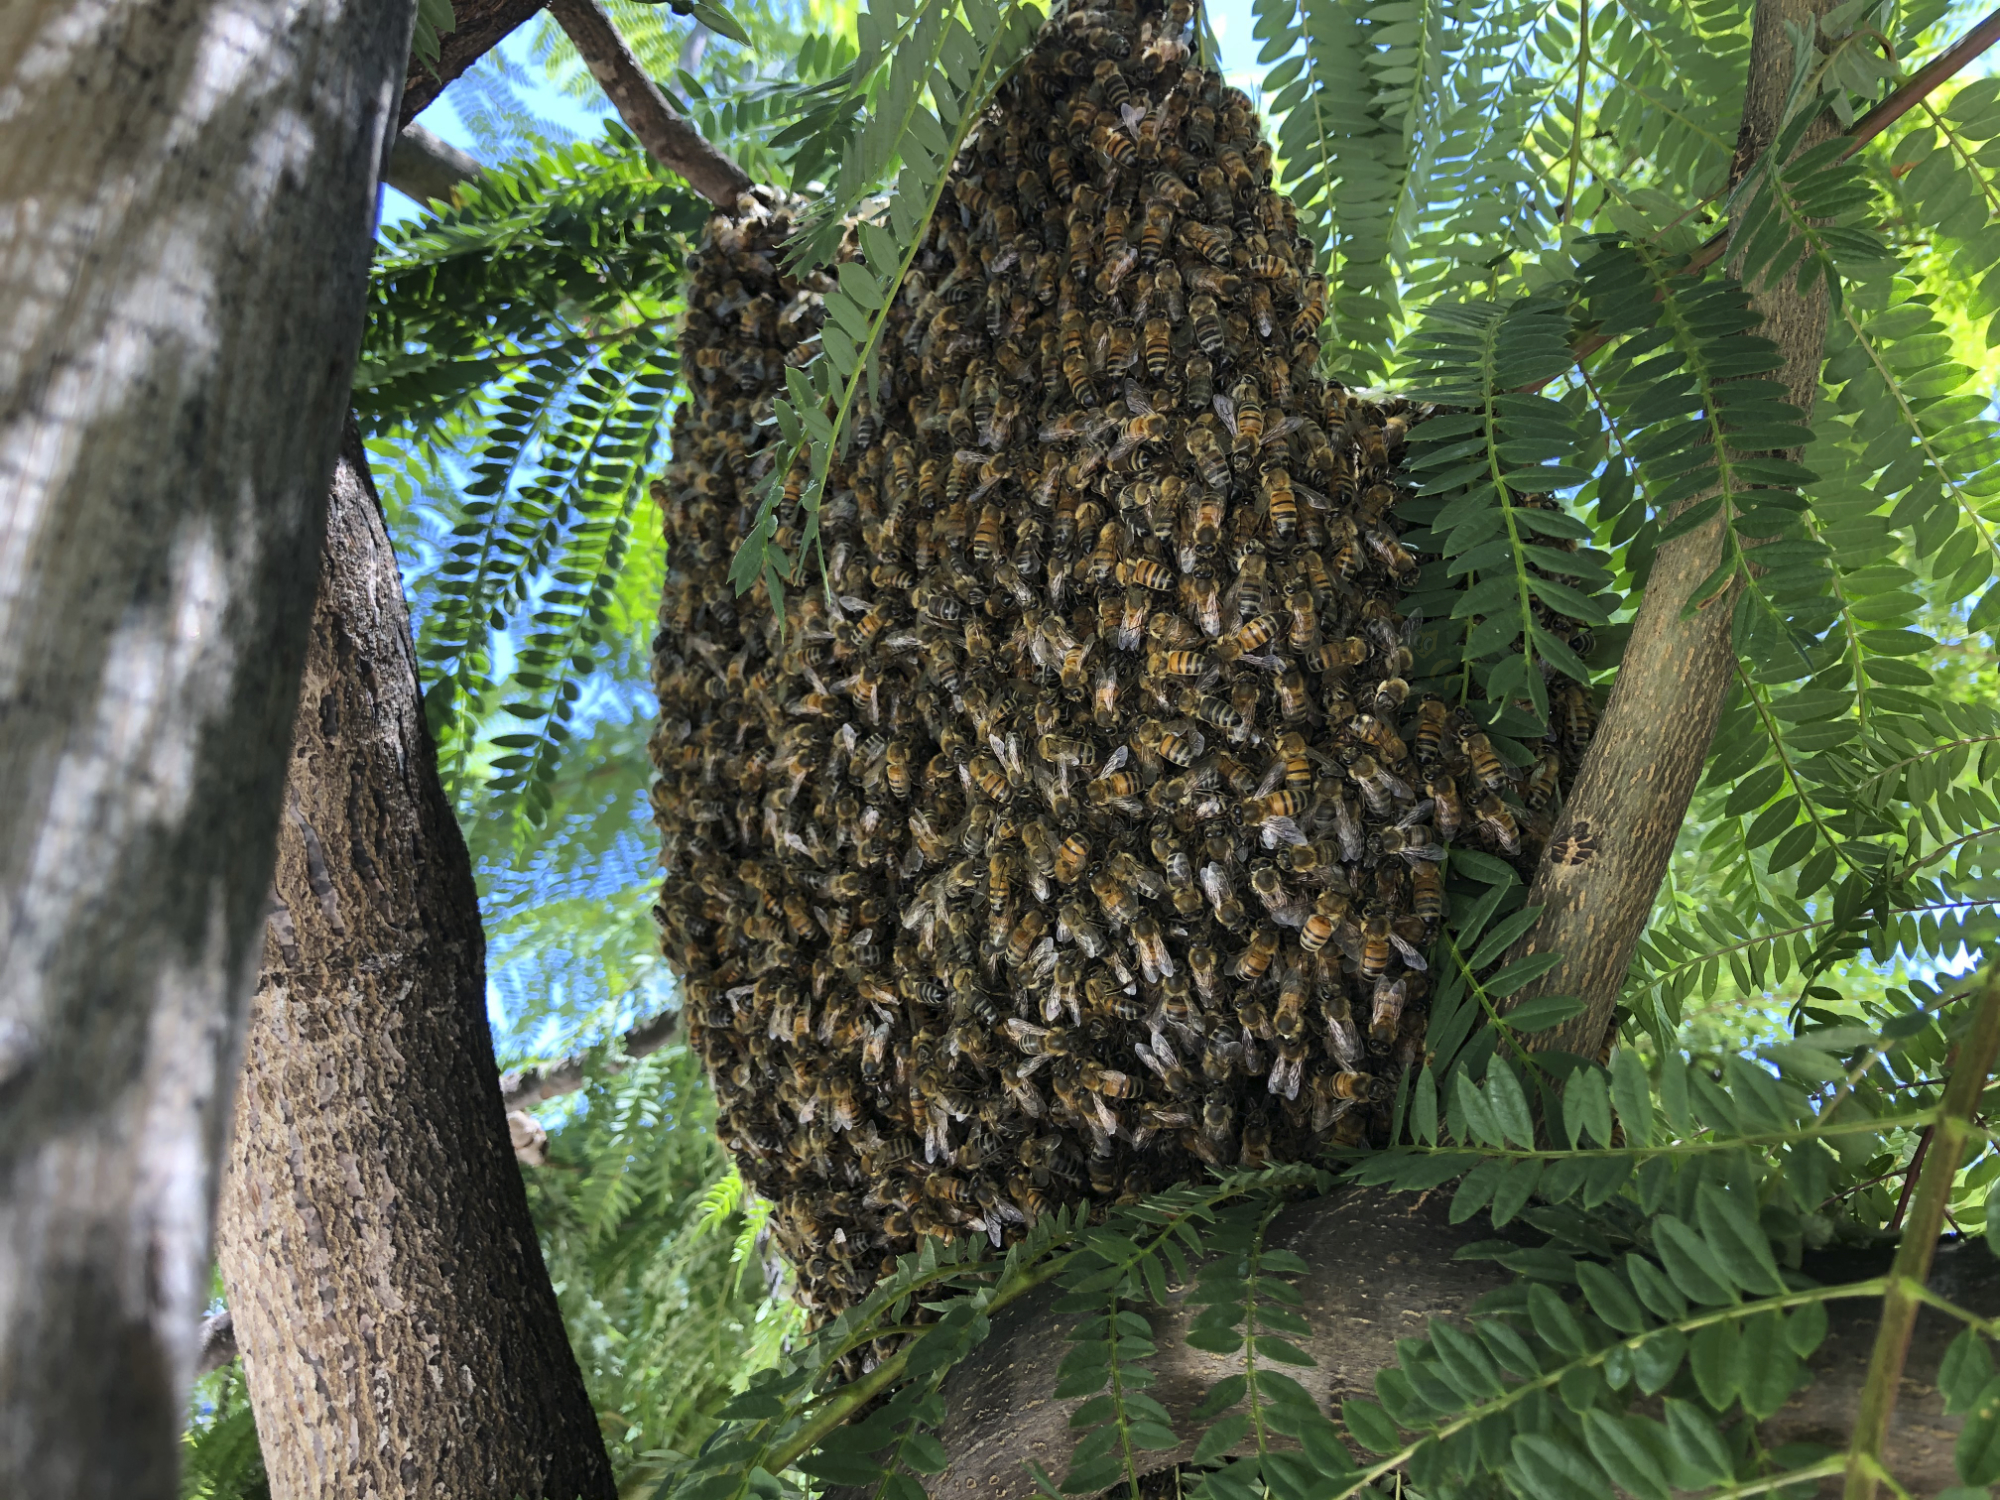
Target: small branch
{"points": [[1910, 1175], [425, 166], [1913, 1257], [664, 131], [526, 1089], [1919, 84]]}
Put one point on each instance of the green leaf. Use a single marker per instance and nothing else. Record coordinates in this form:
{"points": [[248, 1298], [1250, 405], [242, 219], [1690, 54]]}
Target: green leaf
{"points": [[719, 21], [1699, 1447], [1370, 1426], [1587, 1107], [1509, 1105], [1620, 1450], [1715, 1355], [1556, 1471], [1738, 1241], [1609, 1297], [1977, 1454], [1691, 1263], [1541, 1012], [1629, 1091], [1965, 1371]]}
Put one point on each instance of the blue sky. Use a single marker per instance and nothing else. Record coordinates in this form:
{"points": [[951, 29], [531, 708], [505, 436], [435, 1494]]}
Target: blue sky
{"points": [[1232, 20]]}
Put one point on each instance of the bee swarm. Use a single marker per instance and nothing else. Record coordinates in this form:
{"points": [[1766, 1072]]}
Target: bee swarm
{"points": [[1090, 839]]}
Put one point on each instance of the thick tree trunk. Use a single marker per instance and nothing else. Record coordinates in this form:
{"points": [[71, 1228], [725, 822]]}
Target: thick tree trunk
{"points": [[1379, 1266], [400, 1335], [1632, 794], [186, 193]]}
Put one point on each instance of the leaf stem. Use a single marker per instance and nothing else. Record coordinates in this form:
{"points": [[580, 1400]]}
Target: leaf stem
{"points": [[1913, 1257], [1576, 120]]}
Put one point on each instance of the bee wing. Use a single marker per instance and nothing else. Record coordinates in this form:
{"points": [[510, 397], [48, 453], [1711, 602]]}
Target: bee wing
{"points": [[1215, 883], [1284, 1080], [1276, 432], [1417, 814], [1225, 408], [1398, 788], [1137, 399], [1413, 625], [1411, 956], [1115, 761], [1132, 115], [1273, 774], [1041, 961], [1282, 831], [1019, 1031]]}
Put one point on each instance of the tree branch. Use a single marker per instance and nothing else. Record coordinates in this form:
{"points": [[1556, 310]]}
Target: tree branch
{"points": [[664, 131], [479, 26], [1379, 1265], [527, 1088], [1632, 794], [425, 166]]}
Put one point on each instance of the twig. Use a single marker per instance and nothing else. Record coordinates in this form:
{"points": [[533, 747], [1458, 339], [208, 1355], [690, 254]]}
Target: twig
{"points": [[1910, 1175], [674, 143], [1913, 1257], [524, 1090]]}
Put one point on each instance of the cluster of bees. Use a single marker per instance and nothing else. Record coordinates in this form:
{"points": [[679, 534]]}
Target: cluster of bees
{"points": [[1083, 832]]}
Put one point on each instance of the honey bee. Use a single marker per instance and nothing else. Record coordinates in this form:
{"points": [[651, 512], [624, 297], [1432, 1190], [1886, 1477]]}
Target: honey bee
{"points": [[1071, 858], [1283, 504], [1131, 628], [1182, 748], [1076, 370], [1252, 635], [1221, 893], [1206, 450], [1497, 821], [1304, 614], [1336, 656], [1198, 376], [1146, 572], [1576, 720], [1312, 309], [1255, 959], [1206, 318], [1488, 769], [1427, 893], [1540, 789], [1378, 735], [1380, 789]]}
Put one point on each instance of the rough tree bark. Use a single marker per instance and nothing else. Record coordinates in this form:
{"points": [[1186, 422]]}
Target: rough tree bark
{"points": [[186, 193], [1631, 796], [400, 1334], [1379, 1265]]}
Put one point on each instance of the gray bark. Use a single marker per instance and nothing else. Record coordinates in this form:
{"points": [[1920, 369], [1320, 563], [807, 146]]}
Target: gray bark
{"points": [[424, 165], [1380, 1265], [186, 195], [400, 1336]]}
